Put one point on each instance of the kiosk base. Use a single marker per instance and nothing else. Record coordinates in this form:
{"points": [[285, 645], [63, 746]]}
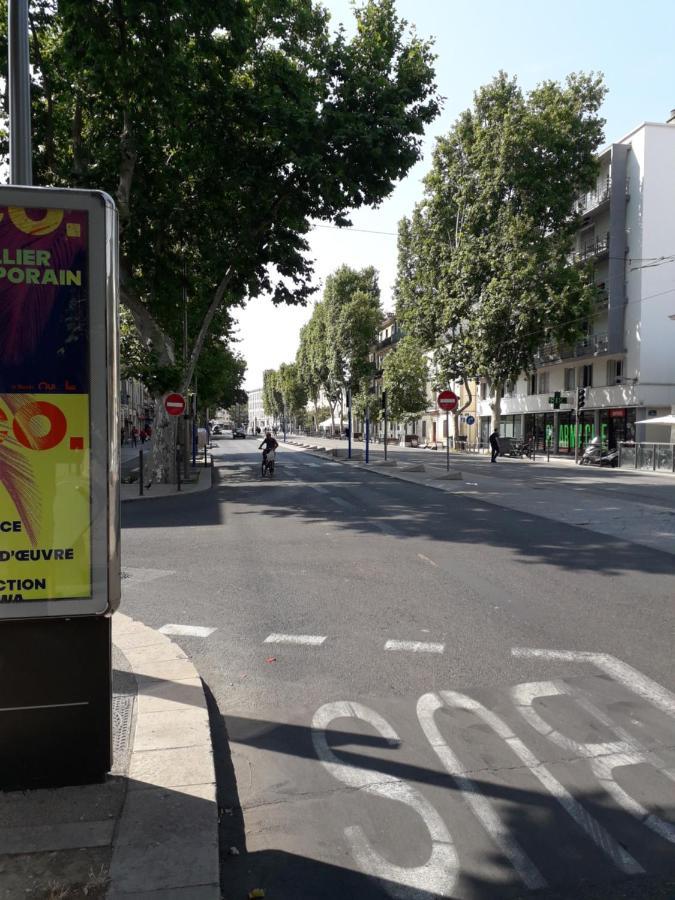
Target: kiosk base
{"points": [[55, 702]]}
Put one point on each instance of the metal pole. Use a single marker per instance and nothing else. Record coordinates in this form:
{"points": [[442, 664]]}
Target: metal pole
{"points": [[20, 155], [576, 430], [447, 440], [385, 427], [367, 436], [349, 423], [140, 473], [177, 468]]}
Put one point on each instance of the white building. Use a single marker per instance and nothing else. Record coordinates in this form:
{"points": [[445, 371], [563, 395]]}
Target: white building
{"points": [[626, 359], [256, 411]]}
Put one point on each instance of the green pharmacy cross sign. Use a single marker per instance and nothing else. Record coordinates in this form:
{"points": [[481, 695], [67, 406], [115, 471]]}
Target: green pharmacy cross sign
{"points": [[557, 399]]}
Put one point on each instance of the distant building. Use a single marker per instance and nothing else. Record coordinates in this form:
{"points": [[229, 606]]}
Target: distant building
{"points": [[625, 358], [137, 409], [256, 411]]}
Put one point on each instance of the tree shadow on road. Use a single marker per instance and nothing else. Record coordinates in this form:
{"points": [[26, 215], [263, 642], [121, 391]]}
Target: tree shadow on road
{"points": [[573, 867], [373, 504]]}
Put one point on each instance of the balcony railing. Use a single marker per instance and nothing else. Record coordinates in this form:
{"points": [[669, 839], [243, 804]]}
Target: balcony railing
{"points": [[595, 198], [599, 247], [591, 345]]}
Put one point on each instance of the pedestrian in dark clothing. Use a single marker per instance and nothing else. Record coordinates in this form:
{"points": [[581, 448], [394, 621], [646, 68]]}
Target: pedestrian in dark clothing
{"points": [[134, 436], [494, 445]]}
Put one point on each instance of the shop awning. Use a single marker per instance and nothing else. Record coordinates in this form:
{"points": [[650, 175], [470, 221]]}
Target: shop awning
{"points": [[661, 420]]}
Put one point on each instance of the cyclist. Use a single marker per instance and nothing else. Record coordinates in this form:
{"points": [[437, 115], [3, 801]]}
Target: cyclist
{"points": [[268, 443]]}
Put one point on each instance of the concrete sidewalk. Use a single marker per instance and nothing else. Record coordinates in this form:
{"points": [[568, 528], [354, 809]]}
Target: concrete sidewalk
{"points": [[583, 499], [201, 479], [151, 829]]}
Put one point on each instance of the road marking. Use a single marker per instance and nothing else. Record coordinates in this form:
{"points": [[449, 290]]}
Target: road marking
{"points": [[603, 757], [188, 630], [620, 671], [130, 574], [436, 878], [415, 646], [427, 560], [427, 706], [588, 823], [312, 640]]}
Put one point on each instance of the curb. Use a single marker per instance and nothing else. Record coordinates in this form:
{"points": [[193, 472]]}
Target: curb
{"points": [[204, 484], [166, 840]]}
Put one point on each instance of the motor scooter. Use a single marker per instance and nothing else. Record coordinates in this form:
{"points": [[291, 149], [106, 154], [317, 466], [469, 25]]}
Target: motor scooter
{"points": [[596, 455]]}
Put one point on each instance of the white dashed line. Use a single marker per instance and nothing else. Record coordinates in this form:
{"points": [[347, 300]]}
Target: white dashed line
{"points": [[313, 640], [415, 646], [189, 630], [427, 560]]}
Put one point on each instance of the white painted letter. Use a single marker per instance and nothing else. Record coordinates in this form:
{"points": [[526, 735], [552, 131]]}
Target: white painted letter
{"points": [[437, 876]]}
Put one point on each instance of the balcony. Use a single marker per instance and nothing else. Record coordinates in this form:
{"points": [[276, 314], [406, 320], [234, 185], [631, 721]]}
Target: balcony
{"points": [[595, 250], [591, 345], [594, 199]]}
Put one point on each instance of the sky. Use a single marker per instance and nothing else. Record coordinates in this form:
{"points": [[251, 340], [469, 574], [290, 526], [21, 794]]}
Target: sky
{"points": [[535, 40]]}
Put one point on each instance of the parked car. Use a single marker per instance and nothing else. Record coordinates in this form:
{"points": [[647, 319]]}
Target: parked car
{"points": [[239, 433], [217, 431], [227, 433]]}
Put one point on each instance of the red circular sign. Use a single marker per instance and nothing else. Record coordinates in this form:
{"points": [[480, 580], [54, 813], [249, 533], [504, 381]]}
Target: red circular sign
{"points": [[448, 400], [174, 404]]}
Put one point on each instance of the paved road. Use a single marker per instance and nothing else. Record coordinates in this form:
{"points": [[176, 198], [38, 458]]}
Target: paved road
{"points": [[416, 694]]}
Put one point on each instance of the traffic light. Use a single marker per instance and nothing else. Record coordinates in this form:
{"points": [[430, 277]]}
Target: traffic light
{"points": [[581, 398], [384, 399]]}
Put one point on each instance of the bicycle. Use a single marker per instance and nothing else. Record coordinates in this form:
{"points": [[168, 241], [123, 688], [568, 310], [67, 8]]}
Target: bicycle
{"points": [[268, 463]]}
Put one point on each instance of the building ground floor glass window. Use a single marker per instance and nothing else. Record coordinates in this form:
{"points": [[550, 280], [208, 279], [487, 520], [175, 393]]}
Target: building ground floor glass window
{"points": [[612, 426]]}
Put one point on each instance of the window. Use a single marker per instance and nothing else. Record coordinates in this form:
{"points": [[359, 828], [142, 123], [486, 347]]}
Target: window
{"points": [[586, 376], [483, 390], [570, 379], [424, 428], [532, 384], [614, 371], [510, 389], [445, 428], [542, 383]]}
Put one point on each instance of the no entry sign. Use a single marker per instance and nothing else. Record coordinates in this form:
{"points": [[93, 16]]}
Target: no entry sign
{"points": [[447, 401], [174, 404]]}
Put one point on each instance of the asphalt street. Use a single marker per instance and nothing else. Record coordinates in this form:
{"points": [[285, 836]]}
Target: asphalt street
{"points": [[415, 694]]}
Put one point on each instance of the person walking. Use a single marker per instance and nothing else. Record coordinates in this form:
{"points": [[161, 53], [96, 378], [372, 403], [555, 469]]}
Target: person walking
{"points": [[134, 436], [494, 445]]}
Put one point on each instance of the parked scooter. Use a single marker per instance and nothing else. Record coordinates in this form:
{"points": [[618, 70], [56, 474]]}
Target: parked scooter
{"points": [[597, 455]]}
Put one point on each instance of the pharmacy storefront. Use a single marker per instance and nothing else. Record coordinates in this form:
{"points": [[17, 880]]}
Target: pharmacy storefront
{"points": [[612, 426]]}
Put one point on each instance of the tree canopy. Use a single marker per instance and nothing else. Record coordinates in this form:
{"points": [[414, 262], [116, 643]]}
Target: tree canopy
{"points": [[223, 128], [484, 272], [405, 376]]}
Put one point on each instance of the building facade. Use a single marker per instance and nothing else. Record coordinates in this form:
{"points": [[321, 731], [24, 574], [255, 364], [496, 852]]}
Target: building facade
{"points": [[136, 407], [256, 412], [626, 358]]}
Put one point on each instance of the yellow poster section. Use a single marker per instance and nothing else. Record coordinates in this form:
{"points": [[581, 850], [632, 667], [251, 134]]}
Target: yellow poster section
{"points": [[45, 537]]}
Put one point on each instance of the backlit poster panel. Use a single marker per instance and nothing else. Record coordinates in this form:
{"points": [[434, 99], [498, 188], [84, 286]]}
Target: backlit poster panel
{"points": [[55, 396]]}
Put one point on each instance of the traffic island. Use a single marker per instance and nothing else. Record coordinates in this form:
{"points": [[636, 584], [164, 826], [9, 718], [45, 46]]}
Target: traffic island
{"points": [[414, 467], [453, 475], [384, 463]]}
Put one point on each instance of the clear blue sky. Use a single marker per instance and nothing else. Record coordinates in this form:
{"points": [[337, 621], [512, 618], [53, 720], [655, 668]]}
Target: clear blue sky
{"points": [[631, 44]]}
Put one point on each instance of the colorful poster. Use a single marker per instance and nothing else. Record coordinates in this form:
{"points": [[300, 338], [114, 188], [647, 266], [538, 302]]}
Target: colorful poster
{"points": [[45, 538]]}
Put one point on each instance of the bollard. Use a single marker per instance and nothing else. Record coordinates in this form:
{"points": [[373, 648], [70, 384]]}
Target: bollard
{"points": [[140, 473], [178, 487], [205, 458]]}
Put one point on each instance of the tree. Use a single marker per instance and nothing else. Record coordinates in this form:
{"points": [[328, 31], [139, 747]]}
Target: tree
{"points": [[293, 392], [219, 377], [273, 402], [223, 129], [309, 362], [484, 262], [353, 314], [405, 377]]}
